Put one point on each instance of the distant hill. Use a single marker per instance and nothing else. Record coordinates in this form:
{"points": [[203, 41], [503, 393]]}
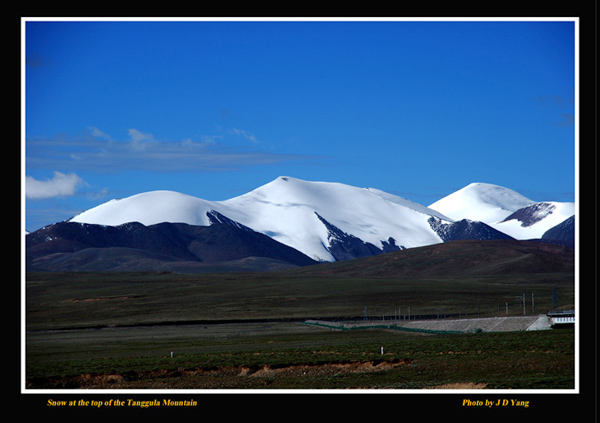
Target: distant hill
{"points": [[457, 258]]}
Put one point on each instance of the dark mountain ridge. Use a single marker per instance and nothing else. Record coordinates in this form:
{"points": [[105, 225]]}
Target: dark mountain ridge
{"points": [[564, 231], [465, 229], [71, 246]]}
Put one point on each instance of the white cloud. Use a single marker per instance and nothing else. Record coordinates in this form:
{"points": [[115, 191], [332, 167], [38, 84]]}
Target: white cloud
{"points": [[59, 186], [95, 132], [244, 134], [139, 140]]}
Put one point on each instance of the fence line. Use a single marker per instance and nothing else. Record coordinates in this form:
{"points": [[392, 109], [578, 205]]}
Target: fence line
{"points": [[390, 326], [519, 306]]}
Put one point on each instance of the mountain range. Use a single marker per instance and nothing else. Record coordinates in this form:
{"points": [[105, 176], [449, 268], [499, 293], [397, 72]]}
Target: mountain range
{"points": [[286, 223]]}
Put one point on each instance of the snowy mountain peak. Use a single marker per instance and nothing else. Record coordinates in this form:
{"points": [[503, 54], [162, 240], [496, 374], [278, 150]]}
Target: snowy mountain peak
{"points": [[481, 201], [293, 211], [504, 209], [149, 208]]}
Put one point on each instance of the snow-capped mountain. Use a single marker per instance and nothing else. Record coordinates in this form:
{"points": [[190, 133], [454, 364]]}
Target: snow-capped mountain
{"points": [[505, 210], [484, 202], [308, 216], [326, 221]]}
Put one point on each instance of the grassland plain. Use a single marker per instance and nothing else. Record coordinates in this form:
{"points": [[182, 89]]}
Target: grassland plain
{"points": [[245, 331], [83, 300]]}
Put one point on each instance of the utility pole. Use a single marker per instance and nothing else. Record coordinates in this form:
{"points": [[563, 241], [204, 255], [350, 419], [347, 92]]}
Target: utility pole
{"points": [[554, 298], [524, 304], [532, 305]]}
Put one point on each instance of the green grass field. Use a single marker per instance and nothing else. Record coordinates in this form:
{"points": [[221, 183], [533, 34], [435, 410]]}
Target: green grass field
{"points": [[244, 331]]}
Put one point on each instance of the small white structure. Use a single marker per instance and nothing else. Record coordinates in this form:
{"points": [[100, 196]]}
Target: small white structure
{"points": [[565, 317]]}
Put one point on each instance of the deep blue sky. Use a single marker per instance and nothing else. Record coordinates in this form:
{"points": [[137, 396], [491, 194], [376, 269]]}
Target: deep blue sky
{"points": [[216, 109]]}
